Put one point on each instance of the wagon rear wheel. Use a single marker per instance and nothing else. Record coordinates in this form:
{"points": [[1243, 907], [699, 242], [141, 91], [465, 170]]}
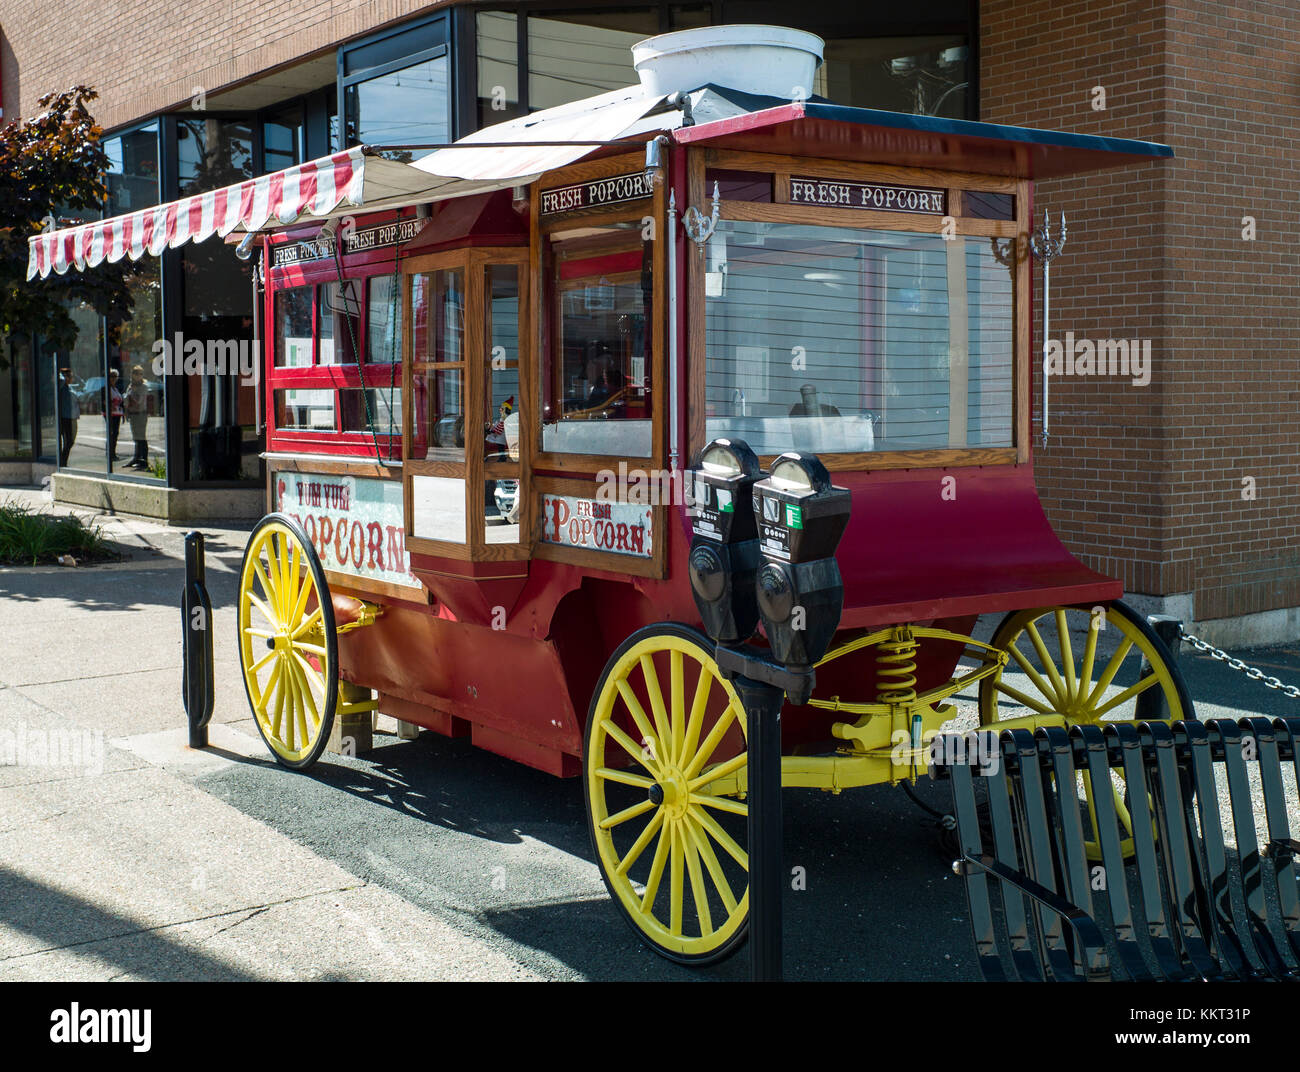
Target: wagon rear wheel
{"points": [[1085, 664], [665, 750], [288, 647]]}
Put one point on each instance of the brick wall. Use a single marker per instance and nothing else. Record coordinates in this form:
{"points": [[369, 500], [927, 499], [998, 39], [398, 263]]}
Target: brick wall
{"points": [[148, 57], [1146, 482]]}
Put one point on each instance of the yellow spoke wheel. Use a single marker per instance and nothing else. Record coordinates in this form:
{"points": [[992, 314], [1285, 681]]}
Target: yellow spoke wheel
{"points": [[1064, 662], [288, 647], [663, 728]]}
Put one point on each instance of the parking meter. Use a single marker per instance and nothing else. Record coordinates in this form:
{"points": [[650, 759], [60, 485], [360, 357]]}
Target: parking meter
{"points": [[801, 518], [724, 556]]}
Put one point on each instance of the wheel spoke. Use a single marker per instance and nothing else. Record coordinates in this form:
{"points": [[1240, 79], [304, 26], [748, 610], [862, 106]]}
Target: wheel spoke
{"points": [[1089, 657], [611, 821], [319, 650], [651, 677], [1136, 689], [1058, 686], [1021, 698], [710, 742], [630, 746], [262, 661], [265, 698], [1044, 689], [1067, 653], [278, 730], [1112, 668], [720, 771], [642, 724], [675, 882], [292, 583], [268, 589], [301, 668], [300, 604], [711, 864], [625, 777], [310, 673], [677, 704], [721, 803], [638, 846], [728, 843], [265, 634], [700, 704], [656, 871], [698, 893], [282, 558], [266, 611], [307, 623]]}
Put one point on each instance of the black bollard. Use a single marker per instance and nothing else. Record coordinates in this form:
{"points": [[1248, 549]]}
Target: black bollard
{"points": [[196, 643]]}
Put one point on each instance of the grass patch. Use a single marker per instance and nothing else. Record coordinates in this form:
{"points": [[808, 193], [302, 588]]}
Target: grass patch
{"points": [[33, 537]]}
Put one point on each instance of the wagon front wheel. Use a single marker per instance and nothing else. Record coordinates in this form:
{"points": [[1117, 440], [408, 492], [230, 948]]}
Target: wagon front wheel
{"points": [[288, 647], [664, 760]]}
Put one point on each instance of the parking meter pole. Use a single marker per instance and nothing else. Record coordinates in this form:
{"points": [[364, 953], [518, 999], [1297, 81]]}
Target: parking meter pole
{"points": [[766, 866], [196, 643]]}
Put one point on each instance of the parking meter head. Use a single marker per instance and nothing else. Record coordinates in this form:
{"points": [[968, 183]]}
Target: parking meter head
{"points": [[724, 556], [801, 516]]}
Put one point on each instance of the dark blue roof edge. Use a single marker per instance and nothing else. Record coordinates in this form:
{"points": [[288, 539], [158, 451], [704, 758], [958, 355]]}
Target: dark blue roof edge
{"points": [[968, 128]]}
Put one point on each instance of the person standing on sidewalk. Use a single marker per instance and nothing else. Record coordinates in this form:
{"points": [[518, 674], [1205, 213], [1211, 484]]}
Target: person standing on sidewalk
{"points": [[137, 414]]}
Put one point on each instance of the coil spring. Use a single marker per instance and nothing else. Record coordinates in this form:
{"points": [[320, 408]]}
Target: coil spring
{"points": [[896, 669]]}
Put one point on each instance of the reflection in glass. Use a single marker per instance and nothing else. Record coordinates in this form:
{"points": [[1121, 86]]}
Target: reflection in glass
{"points": [[902, 341], [131, 355], [213, 153], [410, 106], [580, 55], [338, 324], [304, 409], [439, 413], [438, 308], [132, 175], [598, 380], [382, 404], [384, 321], [293, 327], [498, 66]]}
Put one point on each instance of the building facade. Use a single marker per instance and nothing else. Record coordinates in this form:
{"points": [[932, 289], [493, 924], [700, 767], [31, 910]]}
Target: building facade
{"points": [[1175, 473]]}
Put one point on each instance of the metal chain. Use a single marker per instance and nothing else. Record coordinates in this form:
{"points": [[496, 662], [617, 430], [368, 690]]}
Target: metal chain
{"points": [[1252, 672]]}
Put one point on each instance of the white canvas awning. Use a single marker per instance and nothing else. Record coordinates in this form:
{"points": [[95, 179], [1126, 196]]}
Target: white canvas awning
{"points": [[355, 180]]}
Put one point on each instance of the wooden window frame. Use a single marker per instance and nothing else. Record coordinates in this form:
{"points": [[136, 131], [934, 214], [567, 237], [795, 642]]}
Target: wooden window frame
{"points": [[334, 378], [781, 167], [472, 468], [653, 207]]}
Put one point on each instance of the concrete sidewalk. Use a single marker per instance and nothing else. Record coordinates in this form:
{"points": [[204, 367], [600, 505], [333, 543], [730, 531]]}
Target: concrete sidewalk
{"points": [[113, 865]]}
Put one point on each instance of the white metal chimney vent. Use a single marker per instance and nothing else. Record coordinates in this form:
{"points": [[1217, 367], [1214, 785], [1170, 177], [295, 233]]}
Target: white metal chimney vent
{"points": [[771, 61]]}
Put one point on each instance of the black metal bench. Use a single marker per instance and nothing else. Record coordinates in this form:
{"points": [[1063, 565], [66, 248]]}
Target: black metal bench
{"points": [[1187, 907]]}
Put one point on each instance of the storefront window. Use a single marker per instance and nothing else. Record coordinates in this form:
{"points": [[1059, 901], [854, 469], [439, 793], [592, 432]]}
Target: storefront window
{"points": [[578, 55], [213, 152], [921, 75], [408, 106], [16, 397], [838, 339], [132, 170], [139, 431], [84, 402], [283, 134], [497, 37]]}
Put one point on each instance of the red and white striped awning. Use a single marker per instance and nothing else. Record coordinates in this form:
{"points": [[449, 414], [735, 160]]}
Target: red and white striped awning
{"points": [[313, 190], [357, 179]]}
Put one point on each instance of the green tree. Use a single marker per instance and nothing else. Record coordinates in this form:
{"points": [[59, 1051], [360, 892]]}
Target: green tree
{"points": [[52, 166]]}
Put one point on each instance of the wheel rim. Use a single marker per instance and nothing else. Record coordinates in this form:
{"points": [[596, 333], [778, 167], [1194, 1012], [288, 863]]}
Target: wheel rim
{"points": [[285, 654], [666, 730], [1053, 673]]}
